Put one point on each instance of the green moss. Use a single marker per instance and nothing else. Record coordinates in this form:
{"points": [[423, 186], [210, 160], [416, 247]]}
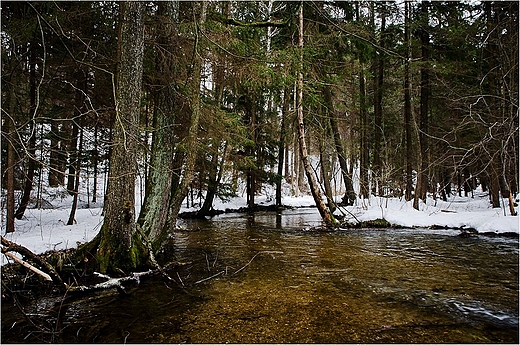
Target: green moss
{"points": [[379, 223], [138, 252]]}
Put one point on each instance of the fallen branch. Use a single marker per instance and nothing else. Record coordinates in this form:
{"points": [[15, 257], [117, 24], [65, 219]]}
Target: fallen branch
{"points": [[208, 278], [111, 283], [263, 252], [240, 269], [29, 266], [352, 214], [26, 253]]}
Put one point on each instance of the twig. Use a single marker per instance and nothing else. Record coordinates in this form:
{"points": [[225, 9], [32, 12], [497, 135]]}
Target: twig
{"points": [[352, 214], [208, 278], [148, 245], [263, 252], [180, 279], [207, 261]]}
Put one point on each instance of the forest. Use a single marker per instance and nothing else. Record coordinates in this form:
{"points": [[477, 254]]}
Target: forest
{"points": [[407, 99]]}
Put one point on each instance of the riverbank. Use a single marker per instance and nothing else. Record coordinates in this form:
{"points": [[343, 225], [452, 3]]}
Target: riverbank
{"points": [[265, 278], [45, 229]]}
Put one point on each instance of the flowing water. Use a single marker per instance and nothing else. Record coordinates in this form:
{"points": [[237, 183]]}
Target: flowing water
{"points": [[271, 277]]}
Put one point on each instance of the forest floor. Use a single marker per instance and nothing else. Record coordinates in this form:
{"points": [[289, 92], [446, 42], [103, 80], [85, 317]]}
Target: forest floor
{"points": [[43, 229]]}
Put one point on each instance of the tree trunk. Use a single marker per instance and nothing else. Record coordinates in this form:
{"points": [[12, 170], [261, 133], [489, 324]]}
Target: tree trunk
{"points": [[281, 147], [295, 180], [56, 176], [324, 211], [378, 107], [76, 183], [422, 178], [408, 106], [350, 195], [72, 131], [325, 164], [192, 138], [9, 128], [494, 178], [31, 150], [251, 151], [154, 212], [117, 248], [95, 161], [216, 168], [363, 138], [215, 176]]}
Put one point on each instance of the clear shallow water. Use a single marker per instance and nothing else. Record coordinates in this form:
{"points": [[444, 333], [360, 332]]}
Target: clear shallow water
{"points": [[277, 280]]}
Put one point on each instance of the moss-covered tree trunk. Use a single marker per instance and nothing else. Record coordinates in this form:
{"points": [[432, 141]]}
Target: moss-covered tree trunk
{"points": [[154, 212], [118, 249]]}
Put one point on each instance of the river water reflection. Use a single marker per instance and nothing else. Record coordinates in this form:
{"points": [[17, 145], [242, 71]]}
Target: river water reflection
{"points": [[272, 278]]}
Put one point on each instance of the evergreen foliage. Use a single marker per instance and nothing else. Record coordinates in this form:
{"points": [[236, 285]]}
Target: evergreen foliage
{"points": [[218, 100]]}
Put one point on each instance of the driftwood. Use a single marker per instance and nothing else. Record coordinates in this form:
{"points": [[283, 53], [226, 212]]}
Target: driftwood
{"points": [[9, 246], [49, 273], [29, 266], [111, 282]]}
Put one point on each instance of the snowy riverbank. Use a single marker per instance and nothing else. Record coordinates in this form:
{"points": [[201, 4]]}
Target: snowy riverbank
{"points": [[45, 229]]}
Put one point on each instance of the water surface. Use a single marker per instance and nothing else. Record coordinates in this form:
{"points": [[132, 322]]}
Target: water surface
{"points": [[273, 278]]}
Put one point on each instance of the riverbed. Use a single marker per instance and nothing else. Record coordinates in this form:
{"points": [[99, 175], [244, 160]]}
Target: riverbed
{"points": [[276, 278]]}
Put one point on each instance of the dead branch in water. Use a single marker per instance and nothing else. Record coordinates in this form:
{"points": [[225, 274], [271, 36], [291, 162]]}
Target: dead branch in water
{"points": [[262, 252], [208, 278], [111, 282], [9, 246], [29, 266]]}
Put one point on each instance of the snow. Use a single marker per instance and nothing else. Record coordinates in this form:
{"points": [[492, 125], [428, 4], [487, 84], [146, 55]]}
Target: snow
{"points": [[460, 212], [45, 229]]}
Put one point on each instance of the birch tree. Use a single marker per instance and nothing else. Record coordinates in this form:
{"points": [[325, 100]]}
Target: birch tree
{"points": [[325, 212]]}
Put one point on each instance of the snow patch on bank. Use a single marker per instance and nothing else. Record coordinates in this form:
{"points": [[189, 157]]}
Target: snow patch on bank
{"points": [[45, 229]]}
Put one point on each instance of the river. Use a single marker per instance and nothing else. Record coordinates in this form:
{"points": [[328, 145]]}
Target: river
{"points": [[270, 277]]}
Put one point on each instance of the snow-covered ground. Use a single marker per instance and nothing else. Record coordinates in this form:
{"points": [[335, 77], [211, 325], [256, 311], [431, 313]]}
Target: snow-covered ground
{"points": [[45, 229]]}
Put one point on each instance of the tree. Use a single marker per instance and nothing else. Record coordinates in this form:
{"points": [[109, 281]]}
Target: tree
{"points": [[154, 212], [408, 105], [325, 212], [422, 178], [180, 191], [364, 162], [119, 247], [281, 145], [379, 68], [9, 131]]}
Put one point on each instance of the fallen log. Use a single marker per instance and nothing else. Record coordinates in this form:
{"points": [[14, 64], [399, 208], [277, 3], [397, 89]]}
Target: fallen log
{"points": [[9, 246], [29, 266]]}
